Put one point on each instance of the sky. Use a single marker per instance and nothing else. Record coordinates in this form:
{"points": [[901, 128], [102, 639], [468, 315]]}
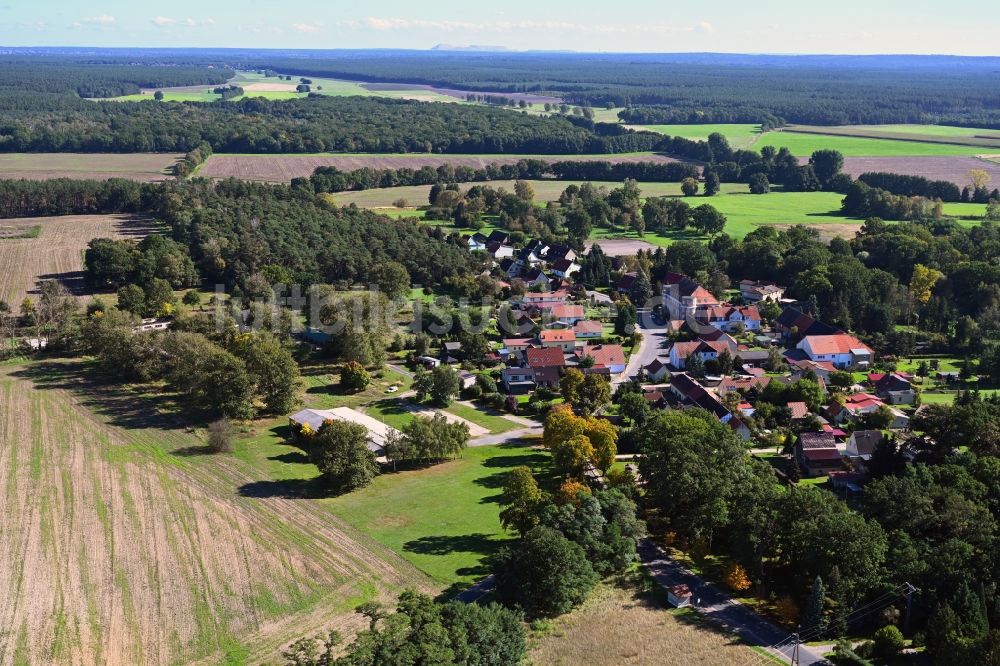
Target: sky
{"points": [[961, 27]]}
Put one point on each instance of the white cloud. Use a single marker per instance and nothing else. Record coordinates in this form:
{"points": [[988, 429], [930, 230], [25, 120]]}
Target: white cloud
{"points": [[104, 21], [190, 22], [705, 26], [164, 21], [307, 27]]}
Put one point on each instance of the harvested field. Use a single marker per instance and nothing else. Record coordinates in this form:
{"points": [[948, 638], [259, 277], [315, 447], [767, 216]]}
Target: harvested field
{"points": [[955, 169], [124, 543], [830, 230], [143, 167], [622, 247], [622, 625], [56, 252], [269, 87], [282, 168]]}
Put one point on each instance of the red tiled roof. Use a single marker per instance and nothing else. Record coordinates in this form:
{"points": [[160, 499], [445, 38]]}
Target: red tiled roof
{"points": [[799, 410], [607, 355], [557, 335], [588, 326], [561, 310], [545, 357], [842, 343]]}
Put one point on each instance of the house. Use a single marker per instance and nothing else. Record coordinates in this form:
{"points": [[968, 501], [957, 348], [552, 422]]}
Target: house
{"points": [[656, 371], [467, 379], [517, 344], [690, 392], [451, 352], [895, 388], [752, 358], [793, 324], [544, 357], [800, 412], [378, 432], [745, 385], [862, 444], [679, 595], [656, 399], [854, 407], [564, 339], [568, 315], [535, 277], [509, 268], [498, 236], [543, 299], [563, 268], [477, 242], [817, 453], [611, 357], [517, 381], [821, 369], [681, 351], [755, 291], [588, 329], [682, 296], [624, 284], [842, 350], [547, 376], [499, 251], [729, 317], [558, 252]]}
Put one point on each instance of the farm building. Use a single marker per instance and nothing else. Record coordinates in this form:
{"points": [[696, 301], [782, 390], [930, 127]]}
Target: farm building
{"points": [[378, 432]]}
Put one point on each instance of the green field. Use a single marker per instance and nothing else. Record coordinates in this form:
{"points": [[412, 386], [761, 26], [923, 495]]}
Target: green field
{"points": [[744, 211], [932, 130], [803, 145]]}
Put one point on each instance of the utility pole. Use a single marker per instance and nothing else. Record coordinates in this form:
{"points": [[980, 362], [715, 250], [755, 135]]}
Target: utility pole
{"points": [[795, 649], [910, 590]]}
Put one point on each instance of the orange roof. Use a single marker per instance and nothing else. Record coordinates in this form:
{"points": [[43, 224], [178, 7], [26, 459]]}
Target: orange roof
{"points": [[563, 310], [557, 335], [842, 343], [588, 326], [607, 355], [544, 357]]}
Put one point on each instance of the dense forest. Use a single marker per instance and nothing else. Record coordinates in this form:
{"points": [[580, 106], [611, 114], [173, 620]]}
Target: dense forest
{"points": [[699, 88], [314, 124]]}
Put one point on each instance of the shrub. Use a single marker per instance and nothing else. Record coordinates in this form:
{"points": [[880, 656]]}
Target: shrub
{"points": [[888, 641], [354, 377], [220, 436], [736, 578]]}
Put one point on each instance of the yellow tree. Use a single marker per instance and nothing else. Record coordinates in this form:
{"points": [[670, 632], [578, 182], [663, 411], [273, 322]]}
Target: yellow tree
{"points": [[736, 578], [561, 425], [923, 281], [571, 456], [568, 491], [570, 385], [979, 178], [603, 437]]}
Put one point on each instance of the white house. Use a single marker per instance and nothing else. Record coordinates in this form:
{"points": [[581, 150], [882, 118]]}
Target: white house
{"points": [[754, 291], [657, 370], [841, 349], [729, 317], [682, 296]]}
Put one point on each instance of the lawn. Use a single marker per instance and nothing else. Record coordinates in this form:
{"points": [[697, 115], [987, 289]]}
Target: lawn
{"points": [[740, 135], [443, 519], [491, 421]]}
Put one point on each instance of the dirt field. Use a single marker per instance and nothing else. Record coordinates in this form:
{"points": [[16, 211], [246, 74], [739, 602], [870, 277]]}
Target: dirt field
{"points": [[123, 542], [830, 230], [270, 87], [955, 169], [621, 247], [57, 251], [144, 167], [282, 168], [617, 626]]}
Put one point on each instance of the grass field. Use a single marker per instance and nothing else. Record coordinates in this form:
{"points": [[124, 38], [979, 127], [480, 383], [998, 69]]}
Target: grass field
{"points": [[804, 144], [744, 212], [145, 167], [124, 543], [55, 251], [621, 623]]}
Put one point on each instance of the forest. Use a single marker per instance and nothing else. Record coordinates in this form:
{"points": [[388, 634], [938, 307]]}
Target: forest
{"points": [[314, 124]]}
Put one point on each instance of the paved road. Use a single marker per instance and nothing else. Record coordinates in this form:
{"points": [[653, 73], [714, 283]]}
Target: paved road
{"points": [[477, 591], [510, 435], [652, 345], [719, 607]]}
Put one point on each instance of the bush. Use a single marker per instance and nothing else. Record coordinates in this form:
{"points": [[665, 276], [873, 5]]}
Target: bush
{"points": [[400, 203], [220, 436], [473, 392], [887, 642], [354, 377]]}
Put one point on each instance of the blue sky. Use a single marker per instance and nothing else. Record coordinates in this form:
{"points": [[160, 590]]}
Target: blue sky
{"points": [[850, 26]]}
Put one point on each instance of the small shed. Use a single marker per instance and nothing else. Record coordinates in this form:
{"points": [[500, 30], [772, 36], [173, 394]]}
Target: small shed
{"points": [[679, 595]]}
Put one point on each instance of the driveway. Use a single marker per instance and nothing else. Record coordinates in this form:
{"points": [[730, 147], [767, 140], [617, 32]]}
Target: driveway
{"points": [[721, 608]]}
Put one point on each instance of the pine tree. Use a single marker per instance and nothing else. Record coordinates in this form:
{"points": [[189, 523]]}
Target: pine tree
{"points": [[841, 608], [812, 615]]}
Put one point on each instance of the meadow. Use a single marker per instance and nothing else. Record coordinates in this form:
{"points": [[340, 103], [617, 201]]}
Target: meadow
{"points": [[803, 144], [744, 211]]}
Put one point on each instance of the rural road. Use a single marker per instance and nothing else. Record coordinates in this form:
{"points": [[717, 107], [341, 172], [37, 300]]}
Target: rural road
{"points": [[652, 345], [722, 609], [520, 433]]}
